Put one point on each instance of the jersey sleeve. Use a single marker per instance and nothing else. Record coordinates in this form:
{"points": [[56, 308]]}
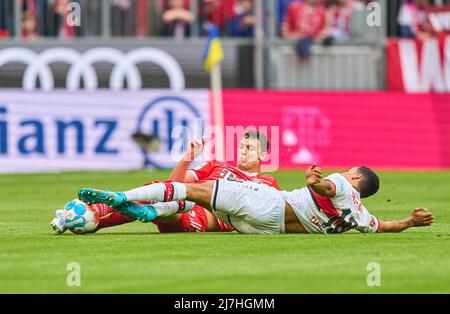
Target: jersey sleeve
{"points": [[366, 222], [269, 180], [203, 170], [340, 183], [274, 183]]}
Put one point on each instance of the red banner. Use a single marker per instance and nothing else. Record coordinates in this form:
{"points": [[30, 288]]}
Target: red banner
{"points": [[439, 19], [419, 66], [340, 129]]}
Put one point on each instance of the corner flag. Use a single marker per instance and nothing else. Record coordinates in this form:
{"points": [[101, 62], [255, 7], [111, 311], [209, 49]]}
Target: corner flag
{"points": [[213, 53]]}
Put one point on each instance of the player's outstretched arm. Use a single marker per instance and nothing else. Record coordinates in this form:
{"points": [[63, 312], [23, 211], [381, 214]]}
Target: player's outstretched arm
{"points": [[315, 182], [420, 217], [180, 173]]}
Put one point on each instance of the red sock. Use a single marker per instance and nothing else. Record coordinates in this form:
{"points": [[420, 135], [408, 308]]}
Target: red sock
{"points": [[103, 209], [114, 219], [110, 218]]}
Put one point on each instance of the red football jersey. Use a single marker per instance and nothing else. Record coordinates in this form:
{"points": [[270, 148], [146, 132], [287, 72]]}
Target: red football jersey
{"points": [[308, 20], [214, 170]]}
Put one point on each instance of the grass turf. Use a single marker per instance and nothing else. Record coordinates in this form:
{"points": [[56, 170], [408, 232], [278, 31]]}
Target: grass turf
{"points": [[134, 258]]}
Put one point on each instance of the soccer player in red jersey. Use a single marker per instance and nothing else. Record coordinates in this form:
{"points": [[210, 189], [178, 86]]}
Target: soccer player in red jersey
{"points": [[171, 216]]}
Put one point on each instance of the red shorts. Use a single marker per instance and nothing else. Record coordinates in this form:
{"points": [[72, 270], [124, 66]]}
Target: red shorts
{"points": [[193, 221]]}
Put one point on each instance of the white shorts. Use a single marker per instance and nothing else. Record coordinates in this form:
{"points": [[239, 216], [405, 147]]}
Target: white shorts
{"points": [[249, 207]]}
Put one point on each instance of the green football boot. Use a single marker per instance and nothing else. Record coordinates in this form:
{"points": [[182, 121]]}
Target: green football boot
{"points": [[141, 212], [92, 196]]}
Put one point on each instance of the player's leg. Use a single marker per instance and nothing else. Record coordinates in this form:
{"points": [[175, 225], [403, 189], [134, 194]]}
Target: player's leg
{"points": [[161, 192], [253, 207], [196, 220], [110, 218], [199, 193], [248, 207], [149, 212], [215, 224]]}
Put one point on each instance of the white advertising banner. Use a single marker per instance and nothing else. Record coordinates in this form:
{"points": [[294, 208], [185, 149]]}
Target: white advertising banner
{"points": [[70, 131]]}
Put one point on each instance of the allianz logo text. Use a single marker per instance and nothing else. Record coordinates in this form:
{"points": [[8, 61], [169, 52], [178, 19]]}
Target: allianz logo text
{"points": [[31, 135]]}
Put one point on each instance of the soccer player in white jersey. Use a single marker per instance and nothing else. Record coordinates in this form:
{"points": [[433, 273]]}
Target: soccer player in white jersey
{"points": [[330, 205]]}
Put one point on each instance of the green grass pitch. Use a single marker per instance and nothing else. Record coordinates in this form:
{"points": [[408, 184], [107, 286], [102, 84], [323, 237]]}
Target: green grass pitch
{"points": [[134, 258]]}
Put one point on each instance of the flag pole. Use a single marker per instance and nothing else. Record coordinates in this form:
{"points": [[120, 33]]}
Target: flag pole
{"points": [[217, 102], [213, 55]]}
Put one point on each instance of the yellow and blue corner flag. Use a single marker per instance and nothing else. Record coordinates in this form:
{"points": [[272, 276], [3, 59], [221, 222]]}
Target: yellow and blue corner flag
{"points": [[213, 53]]}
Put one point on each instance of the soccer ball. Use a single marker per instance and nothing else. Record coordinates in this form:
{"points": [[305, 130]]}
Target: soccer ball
{"points": [[80, 217]]}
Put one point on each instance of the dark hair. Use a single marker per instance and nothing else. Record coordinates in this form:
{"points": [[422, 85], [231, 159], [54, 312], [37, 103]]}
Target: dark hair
{"points": [[259, 136], [369, 184]]}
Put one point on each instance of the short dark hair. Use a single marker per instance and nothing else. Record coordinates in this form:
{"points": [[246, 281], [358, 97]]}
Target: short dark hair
{"points": [[369, 184], [264, 142]]}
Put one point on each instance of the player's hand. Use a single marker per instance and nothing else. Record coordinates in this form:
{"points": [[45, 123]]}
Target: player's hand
{"points": [[313, 175], [422, 217], [195, 148]]}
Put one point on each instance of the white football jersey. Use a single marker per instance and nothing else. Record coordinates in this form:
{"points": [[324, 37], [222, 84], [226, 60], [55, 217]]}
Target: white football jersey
{"points": [[338, 214]]}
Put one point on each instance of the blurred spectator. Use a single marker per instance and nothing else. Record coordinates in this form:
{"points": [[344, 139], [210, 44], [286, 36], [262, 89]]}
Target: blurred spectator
{"points": [[63, 29], [339, 20], [41, 17], [29, 23], [155, 17], [306, 23], [122, 16], [282, 8], [6, 18], [142, 23], [412, 19], [3, 33], [177, 19], [218, 12], [91, 18], [29, 26], [243, 24]]}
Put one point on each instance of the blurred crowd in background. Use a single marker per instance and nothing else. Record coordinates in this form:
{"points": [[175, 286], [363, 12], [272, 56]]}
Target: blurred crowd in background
{"points": [[324, 21]]}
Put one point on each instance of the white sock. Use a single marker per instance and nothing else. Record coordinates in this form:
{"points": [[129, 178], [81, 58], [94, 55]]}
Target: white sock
{"points": [[157, 192], [188, 205], [166, 209]]}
